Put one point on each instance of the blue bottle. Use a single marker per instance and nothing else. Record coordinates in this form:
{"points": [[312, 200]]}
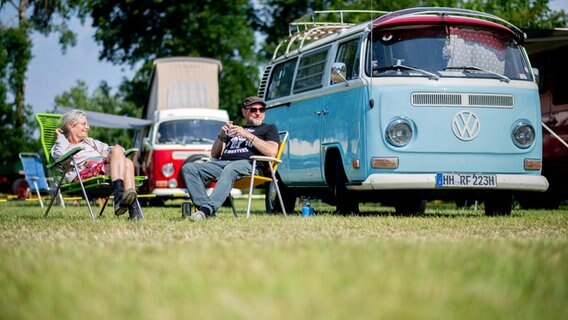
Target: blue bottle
{"points": [[307, 210]]}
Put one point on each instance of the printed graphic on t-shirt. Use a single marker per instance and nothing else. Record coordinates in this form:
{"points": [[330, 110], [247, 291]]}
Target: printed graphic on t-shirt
{"points": [[238, 145], [239, 148]]}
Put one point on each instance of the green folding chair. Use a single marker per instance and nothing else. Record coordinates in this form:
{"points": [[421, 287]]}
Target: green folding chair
{"points": [[89, 189]]}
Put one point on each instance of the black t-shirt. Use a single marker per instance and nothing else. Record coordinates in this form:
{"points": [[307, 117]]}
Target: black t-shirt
{"points": [[239, 148]]}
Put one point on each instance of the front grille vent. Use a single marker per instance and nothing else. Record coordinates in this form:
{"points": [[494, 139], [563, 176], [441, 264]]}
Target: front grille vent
{"points": [[462, 100]]}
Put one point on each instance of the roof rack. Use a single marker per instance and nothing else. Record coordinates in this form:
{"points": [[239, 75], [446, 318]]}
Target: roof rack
{"points": [[309, 28]]}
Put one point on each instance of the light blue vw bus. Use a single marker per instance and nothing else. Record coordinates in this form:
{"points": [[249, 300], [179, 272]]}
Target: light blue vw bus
{"points": [[418, 104]]}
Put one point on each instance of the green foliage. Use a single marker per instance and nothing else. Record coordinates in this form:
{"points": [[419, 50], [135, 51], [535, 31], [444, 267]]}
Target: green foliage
{"points": [[16, 119], [101, 100], [152, 29], [525, 14], [16, 122]]}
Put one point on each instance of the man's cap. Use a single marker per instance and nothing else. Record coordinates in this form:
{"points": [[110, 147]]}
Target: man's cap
{"points": [[252, 100]]}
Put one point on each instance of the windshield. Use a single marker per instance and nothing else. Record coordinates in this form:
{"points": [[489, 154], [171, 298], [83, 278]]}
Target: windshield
{"points": [[447, 51], [188, 131]]}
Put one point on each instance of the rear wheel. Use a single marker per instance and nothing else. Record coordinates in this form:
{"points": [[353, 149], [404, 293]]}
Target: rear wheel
{"points": [[346, 201], [20, 188], [498, 204]]}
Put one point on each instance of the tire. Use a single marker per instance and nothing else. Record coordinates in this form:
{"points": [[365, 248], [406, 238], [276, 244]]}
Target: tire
{"points": [[540, 200], [346, 200], [271, 198], [410, 207], [498, 204], [20, 189]]}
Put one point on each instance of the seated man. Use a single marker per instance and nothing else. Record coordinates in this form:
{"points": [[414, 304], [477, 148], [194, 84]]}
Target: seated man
{"points": [[233, 148]]}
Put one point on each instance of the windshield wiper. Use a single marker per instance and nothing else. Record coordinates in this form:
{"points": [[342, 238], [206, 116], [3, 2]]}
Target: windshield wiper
{"points": [[399, 66], [502, 78]]}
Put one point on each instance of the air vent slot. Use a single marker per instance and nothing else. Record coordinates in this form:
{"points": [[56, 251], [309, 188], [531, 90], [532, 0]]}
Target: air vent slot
{"points": [[264, 81], [474, 100]]}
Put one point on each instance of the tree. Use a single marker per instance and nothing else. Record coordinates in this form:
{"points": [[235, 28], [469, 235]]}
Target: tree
{"points": [[153, 28], [16, 124]]}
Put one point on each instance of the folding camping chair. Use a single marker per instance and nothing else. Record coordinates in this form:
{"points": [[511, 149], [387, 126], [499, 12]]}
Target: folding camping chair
{"points": [[91, 188], [35, 176], [255, 180]]}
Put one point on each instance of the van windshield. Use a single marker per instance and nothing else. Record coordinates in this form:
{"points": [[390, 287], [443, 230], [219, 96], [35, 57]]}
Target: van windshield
{"points": [[188, 131], [447, 51]]}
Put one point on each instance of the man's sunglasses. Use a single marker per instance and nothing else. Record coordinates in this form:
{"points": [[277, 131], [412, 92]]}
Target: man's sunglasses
{"points": [[254, 110]]}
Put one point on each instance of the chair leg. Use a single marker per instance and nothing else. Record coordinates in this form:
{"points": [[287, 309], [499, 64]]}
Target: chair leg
{"points": [[85, 193], [233, 204], [140, 209], [54, 195], [251, 187], [38, 194], [277, 190], [104, 206], [61, 201]]}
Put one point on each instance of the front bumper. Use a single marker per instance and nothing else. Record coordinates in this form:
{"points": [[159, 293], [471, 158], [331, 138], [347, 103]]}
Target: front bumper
{"points": [[427, 181]]}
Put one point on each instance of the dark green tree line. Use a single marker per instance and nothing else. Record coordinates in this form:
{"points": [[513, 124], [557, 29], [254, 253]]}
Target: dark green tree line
{"points": [[19, 20]]}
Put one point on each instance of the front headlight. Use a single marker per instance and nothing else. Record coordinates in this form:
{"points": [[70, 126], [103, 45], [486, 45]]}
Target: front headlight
{"points": [[523, 135], [168, 170], [399, 132]]}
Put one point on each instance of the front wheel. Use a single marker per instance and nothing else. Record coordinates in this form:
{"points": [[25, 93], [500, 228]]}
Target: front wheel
{"points": [[410, 207], [498, 204], [346, 201]]}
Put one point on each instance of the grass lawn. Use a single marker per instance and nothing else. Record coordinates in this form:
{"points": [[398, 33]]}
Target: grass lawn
{"points": [[446, 264]]}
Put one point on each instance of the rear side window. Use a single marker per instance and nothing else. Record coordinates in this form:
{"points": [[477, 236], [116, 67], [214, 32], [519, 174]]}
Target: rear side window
{"points": [[281, 79], [348, 53], [310, 71]]}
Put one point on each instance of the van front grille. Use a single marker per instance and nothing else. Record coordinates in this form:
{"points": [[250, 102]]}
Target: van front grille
{"points": [[462, 100]]}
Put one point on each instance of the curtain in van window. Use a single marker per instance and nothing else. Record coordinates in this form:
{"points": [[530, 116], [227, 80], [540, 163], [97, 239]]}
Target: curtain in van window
{"points": [[475, 47]]}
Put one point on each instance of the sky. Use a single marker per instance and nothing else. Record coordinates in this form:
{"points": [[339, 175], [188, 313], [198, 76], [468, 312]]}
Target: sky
{"points": [[51, 72]]}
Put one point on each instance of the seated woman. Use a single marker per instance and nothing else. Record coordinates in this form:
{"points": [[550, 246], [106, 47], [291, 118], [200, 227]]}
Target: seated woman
{"points": [[98, 158]]}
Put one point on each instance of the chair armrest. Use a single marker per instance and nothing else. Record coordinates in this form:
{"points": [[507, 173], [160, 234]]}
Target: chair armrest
{"points": [[65, 157], [130, 151], [265, 158]]}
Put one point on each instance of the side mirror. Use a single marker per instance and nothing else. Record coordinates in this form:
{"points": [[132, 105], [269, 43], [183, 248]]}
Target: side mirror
{"points": [[146, 142], [537, 78], [338, 72]]}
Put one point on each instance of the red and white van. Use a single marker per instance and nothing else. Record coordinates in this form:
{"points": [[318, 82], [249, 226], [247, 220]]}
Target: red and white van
{"points": [[183, 106]]}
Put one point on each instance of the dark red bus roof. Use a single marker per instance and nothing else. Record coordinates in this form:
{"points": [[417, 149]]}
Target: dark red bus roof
{"points": [[429, 16], [430, 19]]}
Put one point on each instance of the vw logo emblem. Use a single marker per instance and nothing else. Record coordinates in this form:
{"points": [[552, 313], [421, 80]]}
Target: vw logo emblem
{"points": [[465, 125]]}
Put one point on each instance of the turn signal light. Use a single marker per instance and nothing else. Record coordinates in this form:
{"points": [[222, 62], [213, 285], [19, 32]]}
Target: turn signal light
{"points": [[384, 163], [533, 164]]}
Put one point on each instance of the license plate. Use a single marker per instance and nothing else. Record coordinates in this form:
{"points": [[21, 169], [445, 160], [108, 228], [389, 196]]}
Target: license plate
{"points": [[471, 180]]}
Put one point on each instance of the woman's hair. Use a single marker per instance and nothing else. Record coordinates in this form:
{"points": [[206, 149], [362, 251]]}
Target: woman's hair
{"points": [[71, 118]]}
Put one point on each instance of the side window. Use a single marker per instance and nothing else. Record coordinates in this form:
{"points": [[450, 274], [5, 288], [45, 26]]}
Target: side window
{"points": [[348, 53], [310, 71], [281, 79]]}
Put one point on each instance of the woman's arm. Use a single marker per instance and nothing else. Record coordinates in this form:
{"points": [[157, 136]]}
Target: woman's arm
{"points": [[61, 145]]}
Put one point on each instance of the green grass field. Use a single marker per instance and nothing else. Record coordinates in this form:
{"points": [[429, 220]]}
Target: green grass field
{"points": [[446, 264]]}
